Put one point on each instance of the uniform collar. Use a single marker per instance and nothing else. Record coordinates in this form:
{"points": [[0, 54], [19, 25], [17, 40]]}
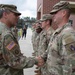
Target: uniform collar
{"points": [[4, 26], [61, 28]]}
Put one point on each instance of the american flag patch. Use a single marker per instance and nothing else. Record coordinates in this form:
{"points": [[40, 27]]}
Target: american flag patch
{"points": [[11, 45]]}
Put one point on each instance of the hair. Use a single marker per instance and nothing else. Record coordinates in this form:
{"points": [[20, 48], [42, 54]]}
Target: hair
{"points": [[2, 11], [39, 29]]}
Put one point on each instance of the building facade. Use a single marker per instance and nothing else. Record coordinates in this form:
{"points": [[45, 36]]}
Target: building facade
{"points": [[45, 6]]}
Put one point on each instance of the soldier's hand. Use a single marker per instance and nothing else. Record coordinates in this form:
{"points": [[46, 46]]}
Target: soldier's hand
{"points": [[37, 72], [40, 61]]}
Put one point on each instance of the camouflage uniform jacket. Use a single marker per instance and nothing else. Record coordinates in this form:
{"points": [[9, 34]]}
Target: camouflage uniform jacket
{"points": [[43, 44], [34, 35], [44, 40], [15, 32], [12, 61], [37, 39], [61, 51]]}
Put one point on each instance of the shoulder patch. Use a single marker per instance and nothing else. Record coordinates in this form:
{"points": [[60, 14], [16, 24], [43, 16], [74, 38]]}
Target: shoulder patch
{"points": [[70, 47], [11, 45]]}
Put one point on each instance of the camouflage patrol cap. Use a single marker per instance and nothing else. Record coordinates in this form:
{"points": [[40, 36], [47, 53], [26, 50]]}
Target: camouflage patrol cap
{"points": [[60, 5], [12, 8], [46, 17]]}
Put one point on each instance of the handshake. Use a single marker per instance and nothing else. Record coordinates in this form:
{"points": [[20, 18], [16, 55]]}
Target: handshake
{"points": [[40, 60]]}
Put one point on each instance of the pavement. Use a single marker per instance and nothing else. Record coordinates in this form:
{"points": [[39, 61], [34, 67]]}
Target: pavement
{"points": [[27, 50]]}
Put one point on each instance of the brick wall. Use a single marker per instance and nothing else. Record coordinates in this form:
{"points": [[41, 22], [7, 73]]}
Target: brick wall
{"points": [[48, 4], [46, 7], [39, 2], [68, 0]]}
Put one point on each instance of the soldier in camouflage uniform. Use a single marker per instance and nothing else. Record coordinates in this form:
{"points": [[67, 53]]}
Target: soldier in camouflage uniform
{"points": [[35, 37], [45, 37], [12, 60], [33, 27], [61, 49], [15, 31]]}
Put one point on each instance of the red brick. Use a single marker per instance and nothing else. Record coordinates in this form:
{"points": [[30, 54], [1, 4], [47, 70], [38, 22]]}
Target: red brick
{"points": [[46, 7]]}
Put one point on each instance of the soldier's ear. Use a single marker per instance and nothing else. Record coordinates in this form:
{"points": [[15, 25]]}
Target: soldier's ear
{"points": [[64, 12], [5, 15], [47, 21]]}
